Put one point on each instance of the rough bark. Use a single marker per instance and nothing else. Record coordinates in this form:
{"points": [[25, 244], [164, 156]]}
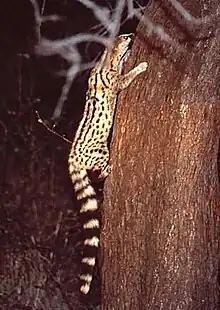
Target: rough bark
{"points": [[160, 239]]}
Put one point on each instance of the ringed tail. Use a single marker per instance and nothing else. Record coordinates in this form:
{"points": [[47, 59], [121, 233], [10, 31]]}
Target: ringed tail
{"points": [[89, 214]]}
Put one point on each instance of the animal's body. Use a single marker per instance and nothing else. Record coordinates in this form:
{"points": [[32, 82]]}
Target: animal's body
{"points": [[89, 150]]}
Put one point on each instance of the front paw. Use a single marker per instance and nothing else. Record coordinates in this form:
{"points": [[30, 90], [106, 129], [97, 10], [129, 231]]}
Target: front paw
{"points": [[142, 66]]}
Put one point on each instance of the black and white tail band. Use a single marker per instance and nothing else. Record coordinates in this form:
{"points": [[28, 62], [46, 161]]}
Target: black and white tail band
{"points": [[89, 214]]}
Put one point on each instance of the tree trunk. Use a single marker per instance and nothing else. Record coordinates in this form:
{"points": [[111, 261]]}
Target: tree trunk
{"points": [[160, 237]]}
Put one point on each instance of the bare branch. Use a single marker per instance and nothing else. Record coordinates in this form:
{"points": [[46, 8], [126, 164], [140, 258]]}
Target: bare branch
{"points": [[154, 28], [68, 50], [70, 76], [100, 12], [39, 19], [116, 18], [130, 5], [186, 15], [48, 47], [110, 20]]}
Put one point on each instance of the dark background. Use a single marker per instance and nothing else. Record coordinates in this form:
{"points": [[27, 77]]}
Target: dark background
{"points": [[38, 221]]}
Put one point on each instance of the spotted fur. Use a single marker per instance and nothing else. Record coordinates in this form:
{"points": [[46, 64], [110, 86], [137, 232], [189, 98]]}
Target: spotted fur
{"points": [[89, 150]]}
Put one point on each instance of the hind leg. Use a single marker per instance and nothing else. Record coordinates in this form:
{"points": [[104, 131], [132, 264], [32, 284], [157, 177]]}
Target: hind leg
{"points": [[101, 162], [104, 163], [104, 172]]}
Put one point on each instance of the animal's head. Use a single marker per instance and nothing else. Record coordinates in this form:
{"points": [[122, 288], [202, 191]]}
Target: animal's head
{"points": [[123, 44], [115, 56], [121, 50]]}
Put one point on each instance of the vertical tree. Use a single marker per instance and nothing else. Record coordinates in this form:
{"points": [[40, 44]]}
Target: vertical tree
{"points": [[160, 218], [160, 239]]}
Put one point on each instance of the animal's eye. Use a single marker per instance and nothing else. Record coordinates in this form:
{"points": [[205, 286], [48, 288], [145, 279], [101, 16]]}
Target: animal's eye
{"points": [[126, 37]]}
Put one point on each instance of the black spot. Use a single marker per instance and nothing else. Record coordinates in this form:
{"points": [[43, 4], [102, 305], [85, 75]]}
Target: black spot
{"points": [[106, 115], [98, 119], [97, 126], [100, 114]]}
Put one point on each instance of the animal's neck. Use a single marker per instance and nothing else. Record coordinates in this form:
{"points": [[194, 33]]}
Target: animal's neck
{"points": [[109, 61]]}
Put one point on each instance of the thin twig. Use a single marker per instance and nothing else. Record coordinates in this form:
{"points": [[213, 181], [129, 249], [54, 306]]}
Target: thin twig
{"points": [[4, 127], [39, 119]]}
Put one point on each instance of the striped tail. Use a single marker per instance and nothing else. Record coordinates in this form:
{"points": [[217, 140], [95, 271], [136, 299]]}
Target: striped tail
{"points": [[89, 214]]}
